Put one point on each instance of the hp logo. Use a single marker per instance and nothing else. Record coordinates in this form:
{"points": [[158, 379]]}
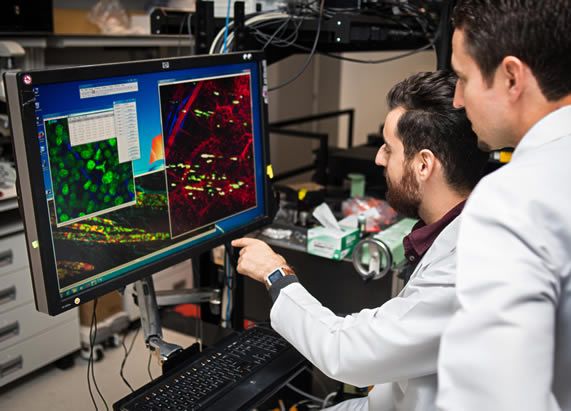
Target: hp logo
{"points": [[166, 64]]}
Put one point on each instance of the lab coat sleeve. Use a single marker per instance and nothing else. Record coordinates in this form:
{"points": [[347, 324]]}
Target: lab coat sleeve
{"points": [[396, 341], [497, 352]]}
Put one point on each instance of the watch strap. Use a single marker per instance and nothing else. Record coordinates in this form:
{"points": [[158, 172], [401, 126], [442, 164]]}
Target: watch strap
{"points": [[279, 285]]}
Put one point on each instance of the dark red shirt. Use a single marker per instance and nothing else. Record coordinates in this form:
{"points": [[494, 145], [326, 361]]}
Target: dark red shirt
{"points": [[420, 239]]}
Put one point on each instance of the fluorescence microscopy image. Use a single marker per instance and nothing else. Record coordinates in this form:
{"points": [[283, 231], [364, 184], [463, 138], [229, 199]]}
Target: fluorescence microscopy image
{"points": [[87, 179], [97, 244], [207, 132]]}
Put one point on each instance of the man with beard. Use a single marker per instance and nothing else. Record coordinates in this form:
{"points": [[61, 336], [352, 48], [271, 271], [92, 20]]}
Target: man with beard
{"points": [[431, 163]]}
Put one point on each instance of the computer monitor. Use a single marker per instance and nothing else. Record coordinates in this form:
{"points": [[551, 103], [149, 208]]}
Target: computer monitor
{"points": [[125, 169]]}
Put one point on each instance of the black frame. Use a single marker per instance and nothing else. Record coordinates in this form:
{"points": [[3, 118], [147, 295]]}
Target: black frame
{"points": [[31, 191]]}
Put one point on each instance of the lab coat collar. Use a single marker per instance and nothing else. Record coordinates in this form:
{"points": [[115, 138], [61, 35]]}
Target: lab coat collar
{"points": [[552, 127], [417, 243]]}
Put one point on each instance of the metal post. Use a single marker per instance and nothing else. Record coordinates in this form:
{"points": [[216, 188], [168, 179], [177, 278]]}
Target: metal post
{"points": [[151, 321]]}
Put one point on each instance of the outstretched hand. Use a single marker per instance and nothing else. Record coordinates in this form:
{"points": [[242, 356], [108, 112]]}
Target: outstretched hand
{"points": [[257, 259]]}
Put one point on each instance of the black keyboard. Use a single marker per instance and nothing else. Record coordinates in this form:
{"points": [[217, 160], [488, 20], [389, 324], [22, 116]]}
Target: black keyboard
{"points": [[231, 375]]}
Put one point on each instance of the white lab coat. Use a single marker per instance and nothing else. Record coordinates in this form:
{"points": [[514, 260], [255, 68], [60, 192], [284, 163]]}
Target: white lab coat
{"points": [[394, 346], [509, 346]]}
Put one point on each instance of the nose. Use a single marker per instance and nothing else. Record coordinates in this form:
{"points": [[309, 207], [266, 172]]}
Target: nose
{"points": [[381, 158], [458, 97]]}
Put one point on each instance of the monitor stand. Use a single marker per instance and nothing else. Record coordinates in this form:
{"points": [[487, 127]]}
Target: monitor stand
{"points": [[149, 301]]}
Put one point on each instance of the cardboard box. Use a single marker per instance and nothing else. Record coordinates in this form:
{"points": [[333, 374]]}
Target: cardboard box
{"points": [[107, 305], [333, 244]]}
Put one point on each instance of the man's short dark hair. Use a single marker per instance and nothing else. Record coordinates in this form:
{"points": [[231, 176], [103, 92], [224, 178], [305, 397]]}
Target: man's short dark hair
{"points": [[431, 122], [535, 31]]}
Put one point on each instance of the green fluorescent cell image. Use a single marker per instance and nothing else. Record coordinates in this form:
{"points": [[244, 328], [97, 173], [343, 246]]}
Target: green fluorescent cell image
{"points": [[87, 179]]}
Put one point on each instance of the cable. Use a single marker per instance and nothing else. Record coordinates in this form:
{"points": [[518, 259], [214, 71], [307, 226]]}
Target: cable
{"points": [[91, 355], [263, 17], [278, 42], [94, 320], [317, 379], [179, 45], [304, 394], [381, 61], [423, 20], [252, 18], [225, 50], [127, 353], [297, 404], [280, 28], [190, 42], [149, 365], [328, 398], [123, 364], [311, 53]]}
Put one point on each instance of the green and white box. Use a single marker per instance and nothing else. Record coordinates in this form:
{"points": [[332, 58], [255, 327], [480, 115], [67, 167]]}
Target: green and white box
{"points": [[333, 244]]}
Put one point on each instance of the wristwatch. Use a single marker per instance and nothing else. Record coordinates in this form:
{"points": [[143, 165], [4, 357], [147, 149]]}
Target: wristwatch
{"points": [[277, 274]]}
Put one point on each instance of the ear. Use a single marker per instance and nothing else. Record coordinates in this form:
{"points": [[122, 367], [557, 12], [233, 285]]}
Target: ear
{"points": [[425, 164], [513, 76]]}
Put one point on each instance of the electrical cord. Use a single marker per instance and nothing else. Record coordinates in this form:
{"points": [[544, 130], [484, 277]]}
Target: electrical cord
{"points": [[225, 50], [311, 53], [305, 394], [94, 320], [423, 20], [328, 398], [361, 61], [280, 28], [127, 353], [317, 379], [388, 10], [91, 341], [381, 61], [252, 18], [190, 42], [179, 45], [278, 16], [149, 365], [279, 42]]}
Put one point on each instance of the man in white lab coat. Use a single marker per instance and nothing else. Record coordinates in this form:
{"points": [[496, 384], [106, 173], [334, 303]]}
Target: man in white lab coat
{"points": [[509, 345], [431, 164]]}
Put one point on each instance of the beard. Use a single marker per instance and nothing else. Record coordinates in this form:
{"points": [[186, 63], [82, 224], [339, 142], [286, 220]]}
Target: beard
{"points": [[404, 197]]}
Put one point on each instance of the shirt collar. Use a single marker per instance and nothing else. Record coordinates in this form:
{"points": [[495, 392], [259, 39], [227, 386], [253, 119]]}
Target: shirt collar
{"points": [[552, 127], [417, 243]]}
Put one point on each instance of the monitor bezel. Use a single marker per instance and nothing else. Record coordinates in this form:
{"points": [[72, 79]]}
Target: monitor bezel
{"points": [[31, 190]]}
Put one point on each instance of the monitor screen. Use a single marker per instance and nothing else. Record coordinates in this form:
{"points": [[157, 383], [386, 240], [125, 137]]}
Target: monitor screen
{"points": [[125, 169]]}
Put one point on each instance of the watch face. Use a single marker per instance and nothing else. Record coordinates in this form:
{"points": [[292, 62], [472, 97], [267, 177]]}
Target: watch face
{"points": [[275, 276]]}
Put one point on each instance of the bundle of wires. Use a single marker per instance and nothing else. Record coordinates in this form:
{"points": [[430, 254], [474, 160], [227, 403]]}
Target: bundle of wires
{"points": [[406, 15], [127, 352], [90, 361]]}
